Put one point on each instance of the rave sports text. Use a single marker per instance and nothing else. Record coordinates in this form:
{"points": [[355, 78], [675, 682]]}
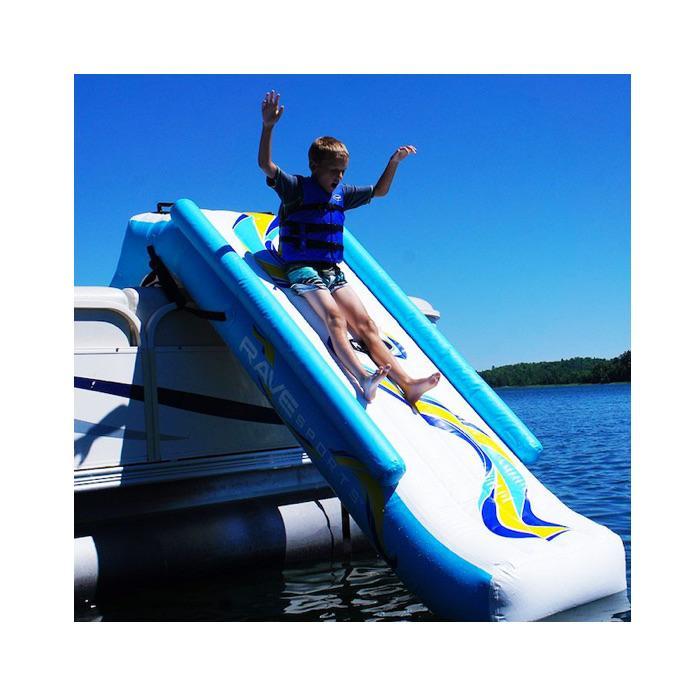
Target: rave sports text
{"points": [[290, 408]]}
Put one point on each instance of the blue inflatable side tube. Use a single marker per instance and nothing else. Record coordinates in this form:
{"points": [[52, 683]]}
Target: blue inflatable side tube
{"points": [[462, 376]]}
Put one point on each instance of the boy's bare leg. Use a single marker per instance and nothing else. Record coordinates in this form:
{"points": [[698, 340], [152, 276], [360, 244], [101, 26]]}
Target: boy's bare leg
{"points": [[362, 325], [325, 306]]}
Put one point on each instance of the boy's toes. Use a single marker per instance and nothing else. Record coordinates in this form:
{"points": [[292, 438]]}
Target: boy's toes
{"points": [[371, 382]]}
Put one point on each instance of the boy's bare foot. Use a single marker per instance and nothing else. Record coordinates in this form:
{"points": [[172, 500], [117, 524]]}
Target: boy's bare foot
{"points": [[418, 387], [370, 383]]}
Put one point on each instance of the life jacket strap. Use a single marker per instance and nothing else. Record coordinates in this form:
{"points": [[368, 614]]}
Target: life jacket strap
{"points": [[321, 206], [310, 243], [311, 227]]}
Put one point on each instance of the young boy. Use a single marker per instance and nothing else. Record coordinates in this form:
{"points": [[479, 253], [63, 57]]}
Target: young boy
{"points": [[311, 244]]}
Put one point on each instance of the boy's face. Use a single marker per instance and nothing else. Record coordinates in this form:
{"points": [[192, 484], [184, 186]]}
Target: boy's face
{"points": [[329, 174]]}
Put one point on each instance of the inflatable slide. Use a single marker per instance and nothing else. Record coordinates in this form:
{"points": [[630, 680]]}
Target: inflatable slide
{"points": [[441, 489]]}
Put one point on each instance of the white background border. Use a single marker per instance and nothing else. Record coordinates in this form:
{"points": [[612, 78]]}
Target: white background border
{"points": [[48, 653]]}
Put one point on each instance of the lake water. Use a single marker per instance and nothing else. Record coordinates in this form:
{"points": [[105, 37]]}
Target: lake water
{"points": [[585, 431]]}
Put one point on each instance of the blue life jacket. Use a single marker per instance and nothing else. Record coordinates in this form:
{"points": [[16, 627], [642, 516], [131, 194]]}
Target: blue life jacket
{"points": [[313, 231]]}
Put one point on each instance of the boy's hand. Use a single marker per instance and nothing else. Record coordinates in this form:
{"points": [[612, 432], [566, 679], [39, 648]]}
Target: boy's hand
{"points": [[381, 189], [402, 152], [271, 111]]}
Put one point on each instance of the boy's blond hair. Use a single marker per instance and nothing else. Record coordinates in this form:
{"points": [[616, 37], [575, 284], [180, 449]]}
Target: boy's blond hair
{"points": [[326, 148]]}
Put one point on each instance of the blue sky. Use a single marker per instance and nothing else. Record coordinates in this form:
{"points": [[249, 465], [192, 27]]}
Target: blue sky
{"points": [[513, 219]]}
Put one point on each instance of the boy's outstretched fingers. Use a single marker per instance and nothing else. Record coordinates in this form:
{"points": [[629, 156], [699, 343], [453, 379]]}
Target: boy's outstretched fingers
{"points": [[271, 111], [403, 152]]}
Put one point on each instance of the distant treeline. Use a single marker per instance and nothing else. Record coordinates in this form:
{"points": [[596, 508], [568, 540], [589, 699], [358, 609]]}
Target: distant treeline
{"points": [[577, 370]]}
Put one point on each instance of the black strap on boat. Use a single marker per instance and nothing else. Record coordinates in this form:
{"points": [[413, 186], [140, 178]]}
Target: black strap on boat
{"points": [[160, 274], [345, 530]]}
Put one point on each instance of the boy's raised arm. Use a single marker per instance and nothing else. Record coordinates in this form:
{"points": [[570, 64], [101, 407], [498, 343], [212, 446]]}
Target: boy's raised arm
{"points": [[384, 182], [271, 113]]}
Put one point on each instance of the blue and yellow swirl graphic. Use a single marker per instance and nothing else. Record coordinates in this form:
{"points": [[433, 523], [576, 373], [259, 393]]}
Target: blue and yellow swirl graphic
{"points": [[257, 231], [503, 502]]}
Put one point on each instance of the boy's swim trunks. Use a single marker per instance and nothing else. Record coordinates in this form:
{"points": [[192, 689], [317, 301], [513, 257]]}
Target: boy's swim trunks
{"points": [[309, 278]]}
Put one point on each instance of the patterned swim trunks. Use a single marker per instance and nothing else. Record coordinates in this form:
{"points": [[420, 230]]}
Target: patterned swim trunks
{"points": [[309, 278]]}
